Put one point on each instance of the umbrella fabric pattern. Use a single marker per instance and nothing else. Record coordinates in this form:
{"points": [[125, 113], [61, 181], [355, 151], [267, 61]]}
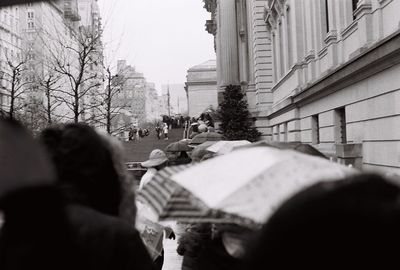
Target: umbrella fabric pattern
{"points": [[243, 187], [170, 201], [224, 147], [206, 136]]}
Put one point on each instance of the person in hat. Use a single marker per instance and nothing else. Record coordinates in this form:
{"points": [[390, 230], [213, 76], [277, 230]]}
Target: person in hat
{"points": [[157, 161]]}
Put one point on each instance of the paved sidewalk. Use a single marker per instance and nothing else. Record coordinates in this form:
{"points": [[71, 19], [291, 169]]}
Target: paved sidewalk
{"points": [[172, 260]]}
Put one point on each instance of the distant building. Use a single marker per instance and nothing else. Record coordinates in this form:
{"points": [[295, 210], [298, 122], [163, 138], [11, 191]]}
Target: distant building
{"points": [[10, 49], [153, 100], [177, 98], [137, 96], [201, 88], [319, 72]]}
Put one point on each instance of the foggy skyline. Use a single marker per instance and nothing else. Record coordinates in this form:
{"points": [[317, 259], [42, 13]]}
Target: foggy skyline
{"points": [[162, 39]]}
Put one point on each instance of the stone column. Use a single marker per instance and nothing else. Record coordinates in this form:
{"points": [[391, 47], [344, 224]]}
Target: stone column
{"points": [[228, 43]]}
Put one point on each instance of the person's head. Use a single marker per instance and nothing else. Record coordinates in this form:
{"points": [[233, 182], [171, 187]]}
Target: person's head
{"points": [[202, 128], [85, 167], [157, 160], [127, 207], [352, 222]]}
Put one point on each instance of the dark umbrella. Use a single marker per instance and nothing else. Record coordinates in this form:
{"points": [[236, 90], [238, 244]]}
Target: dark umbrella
{"points": [[178, 147], [206, 136], [201, 150]]}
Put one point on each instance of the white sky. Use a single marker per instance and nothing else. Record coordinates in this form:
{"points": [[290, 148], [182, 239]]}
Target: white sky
{"points": [[161, 38]]}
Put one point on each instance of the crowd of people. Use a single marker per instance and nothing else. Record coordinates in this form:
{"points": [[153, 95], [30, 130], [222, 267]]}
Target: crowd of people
{"points": [[67, 202], [137, 133], [195, 126]]}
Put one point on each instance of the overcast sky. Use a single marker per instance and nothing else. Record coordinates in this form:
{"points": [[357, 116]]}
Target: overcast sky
{"points": [[161, 38]]}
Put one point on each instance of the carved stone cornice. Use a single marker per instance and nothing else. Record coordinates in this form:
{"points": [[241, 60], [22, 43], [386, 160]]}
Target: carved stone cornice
{"points": [[211, 27], [210, 5], [273, 10], [363, 8]]}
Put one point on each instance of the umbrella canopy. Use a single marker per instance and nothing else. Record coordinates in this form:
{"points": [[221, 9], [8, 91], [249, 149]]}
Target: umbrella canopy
{"points": [[24, 162], [179, 146], [201, 150], [300, 147], [206, 136], [224, 147], [243, 187]]}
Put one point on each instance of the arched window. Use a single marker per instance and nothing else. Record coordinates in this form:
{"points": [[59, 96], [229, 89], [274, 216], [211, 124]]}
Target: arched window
{"points": [[275, 60], [327, 16], [281, 51], [289, 38]]}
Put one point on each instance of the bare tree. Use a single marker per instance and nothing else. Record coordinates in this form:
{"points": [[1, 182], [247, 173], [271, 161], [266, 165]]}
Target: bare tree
{"points": [[16, 83], [50, 84], [74, 61], [111, 105]]}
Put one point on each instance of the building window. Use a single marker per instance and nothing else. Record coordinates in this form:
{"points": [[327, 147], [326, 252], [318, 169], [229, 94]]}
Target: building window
{"points": [[289, 38], [275, 60], [285, 132], [315, 129], [278, 138], [354, 3], [327, 16], [281, 50], [31, 25], [340, 126], [30, 15]]}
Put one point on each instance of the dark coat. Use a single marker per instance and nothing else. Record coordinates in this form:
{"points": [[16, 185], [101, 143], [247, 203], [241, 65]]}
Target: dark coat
{"points": [[42, 232], [202, 251], [36, 231], [107, 242]]}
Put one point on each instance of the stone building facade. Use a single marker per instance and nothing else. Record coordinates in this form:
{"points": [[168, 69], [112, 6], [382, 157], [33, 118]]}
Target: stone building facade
{"points": [[323, 72], [10, 49], [138, 98], [201, 88]]}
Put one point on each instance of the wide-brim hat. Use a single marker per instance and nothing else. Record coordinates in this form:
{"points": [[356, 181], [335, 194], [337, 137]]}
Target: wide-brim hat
{"points": [[157, 157]]}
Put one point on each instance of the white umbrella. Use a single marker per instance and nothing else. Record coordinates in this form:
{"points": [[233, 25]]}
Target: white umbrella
{"points": [[243, 187], [224, 147]]}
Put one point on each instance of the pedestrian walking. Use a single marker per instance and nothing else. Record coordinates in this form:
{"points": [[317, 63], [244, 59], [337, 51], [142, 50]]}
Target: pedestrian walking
{"points": [[134, 133], [157, 161], [158, 132], [165, 129]]}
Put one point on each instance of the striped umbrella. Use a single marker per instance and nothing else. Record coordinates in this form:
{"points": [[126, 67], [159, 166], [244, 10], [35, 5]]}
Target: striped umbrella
{"points": [[243, 187], [170, 201]]}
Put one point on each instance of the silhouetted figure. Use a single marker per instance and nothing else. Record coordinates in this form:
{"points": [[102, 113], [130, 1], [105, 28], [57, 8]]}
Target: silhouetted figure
{"points": [[36, 231], [349, 224], [90, 181]]}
